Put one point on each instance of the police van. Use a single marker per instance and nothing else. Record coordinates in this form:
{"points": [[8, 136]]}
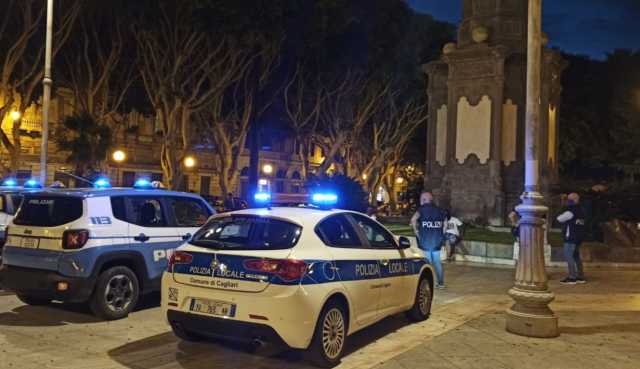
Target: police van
{"points": [[105, 246], [307, 277]]}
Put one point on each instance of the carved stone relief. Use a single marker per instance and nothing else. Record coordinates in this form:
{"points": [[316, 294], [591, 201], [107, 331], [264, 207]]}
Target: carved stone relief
{"points": [[552, 136], [473, 129], [509, 131], [441, 136]]}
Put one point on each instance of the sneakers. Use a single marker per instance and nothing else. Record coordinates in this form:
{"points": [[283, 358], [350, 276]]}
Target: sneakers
{"points": [[440, 286], [568, 281], [580, 281]]}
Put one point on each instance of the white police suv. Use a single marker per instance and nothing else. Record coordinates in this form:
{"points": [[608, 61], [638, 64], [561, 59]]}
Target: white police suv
{"points": [[106, 246], [10, 199], [306, 277]]}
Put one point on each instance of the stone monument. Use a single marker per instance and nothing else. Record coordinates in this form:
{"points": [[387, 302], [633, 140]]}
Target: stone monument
{"points": [[477, 94]]}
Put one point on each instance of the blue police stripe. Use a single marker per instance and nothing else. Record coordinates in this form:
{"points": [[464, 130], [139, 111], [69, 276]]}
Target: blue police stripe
{"points": [[320, 271]]}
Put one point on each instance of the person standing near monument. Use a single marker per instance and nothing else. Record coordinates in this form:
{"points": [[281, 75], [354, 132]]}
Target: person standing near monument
{"points": [[452, 235], [428, 225], [573, 224]]}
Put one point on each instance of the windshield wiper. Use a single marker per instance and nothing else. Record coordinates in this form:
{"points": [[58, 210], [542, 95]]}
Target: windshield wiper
{"points": [[210, 244]]}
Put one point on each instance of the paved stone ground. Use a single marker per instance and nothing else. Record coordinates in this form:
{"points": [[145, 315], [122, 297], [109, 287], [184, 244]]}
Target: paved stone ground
{"points": [[600, 325]]}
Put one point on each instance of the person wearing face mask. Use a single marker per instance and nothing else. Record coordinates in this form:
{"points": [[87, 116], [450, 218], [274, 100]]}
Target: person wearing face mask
{"points": [[573, 225]]}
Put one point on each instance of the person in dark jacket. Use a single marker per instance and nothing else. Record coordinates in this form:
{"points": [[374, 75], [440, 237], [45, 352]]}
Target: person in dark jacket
{"points": [[573, 224], [428, 224]]}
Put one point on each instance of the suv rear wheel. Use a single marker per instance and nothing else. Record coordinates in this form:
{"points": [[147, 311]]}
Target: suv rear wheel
{"points": [[33, 301], [330, 336], [116, 293]]}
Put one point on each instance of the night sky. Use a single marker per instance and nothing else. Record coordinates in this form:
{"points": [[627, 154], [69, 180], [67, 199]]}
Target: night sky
{"points": [[588, 27]]}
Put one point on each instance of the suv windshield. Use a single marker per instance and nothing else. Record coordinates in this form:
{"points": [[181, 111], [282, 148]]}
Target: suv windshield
{"points": [[246, 232], [48, 211]]}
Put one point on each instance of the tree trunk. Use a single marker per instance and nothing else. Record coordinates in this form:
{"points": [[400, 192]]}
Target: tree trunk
{"points": [[16, 149], [254, 160]]}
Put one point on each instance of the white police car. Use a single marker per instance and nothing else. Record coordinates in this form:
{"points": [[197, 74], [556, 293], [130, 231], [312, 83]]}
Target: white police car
{"points": [[106, 246], [305, 277], [10, 200]]}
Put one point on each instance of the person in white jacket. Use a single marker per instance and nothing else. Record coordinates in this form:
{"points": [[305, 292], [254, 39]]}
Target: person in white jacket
{"points": [[452, 235]]}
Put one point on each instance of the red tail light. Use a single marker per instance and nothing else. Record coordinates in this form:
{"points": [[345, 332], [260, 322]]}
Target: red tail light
{"points": [[179, 257], [74, 239], [287, 269]]}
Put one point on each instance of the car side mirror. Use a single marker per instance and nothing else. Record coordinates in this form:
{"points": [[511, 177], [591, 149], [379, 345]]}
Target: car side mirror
{"points": [[404, 242]]}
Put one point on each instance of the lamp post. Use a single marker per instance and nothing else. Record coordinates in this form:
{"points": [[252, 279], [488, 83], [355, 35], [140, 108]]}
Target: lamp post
{"points": [[530, 315], [118, 157], [46, 96]]}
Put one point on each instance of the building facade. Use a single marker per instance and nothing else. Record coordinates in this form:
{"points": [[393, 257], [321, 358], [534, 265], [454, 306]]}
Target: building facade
{"points": [[138, 138], [477, 94]]}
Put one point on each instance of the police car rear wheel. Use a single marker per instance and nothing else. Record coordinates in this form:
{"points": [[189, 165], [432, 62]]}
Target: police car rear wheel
{"points": [[422, 305], [330, 336], [116, 293], [33, 301]]}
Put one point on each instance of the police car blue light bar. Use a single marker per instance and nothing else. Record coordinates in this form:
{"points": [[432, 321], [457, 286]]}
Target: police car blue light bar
{"points": [[324, 198], [262, 197], [10, 182], [101, 183], [32, 183], [142, 183]]}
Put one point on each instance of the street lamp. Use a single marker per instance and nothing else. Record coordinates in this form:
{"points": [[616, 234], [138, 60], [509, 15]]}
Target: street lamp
{"points": [[399, 180], [119, 156], [189, 162], [15, 115], [530, 314], [267, 169], [46, 96]]}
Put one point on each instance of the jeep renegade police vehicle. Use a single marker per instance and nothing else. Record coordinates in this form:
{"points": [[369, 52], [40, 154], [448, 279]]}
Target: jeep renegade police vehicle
{"points": [[305, 277], [106, 246]]}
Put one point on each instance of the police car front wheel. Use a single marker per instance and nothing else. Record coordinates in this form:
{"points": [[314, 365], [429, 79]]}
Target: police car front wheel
{"points": [[421, 308], [116, 293], [330, 336]]}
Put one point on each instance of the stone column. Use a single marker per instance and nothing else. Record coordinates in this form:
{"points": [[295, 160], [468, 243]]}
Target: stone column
{"points": [[530, 315]]}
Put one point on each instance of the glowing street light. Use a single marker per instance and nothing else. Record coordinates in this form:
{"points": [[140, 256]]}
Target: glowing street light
{"points": [[399, 180], [364, 176], [15, 115], [267, 169], [119, 156], [189, 162]]}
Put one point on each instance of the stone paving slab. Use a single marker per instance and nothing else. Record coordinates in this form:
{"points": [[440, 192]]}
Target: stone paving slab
{"points": [[68, 337], [588, 339]]}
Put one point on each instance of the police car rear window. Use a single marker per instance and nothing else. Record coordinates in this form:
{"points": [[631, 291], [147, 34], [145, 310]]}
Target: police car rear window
{"points": [[16, 200], [48, 211], [247, 233]]}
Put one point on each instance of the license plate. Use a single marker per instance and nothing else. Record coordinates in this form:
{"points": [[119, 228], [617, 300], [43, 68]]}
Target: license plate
{"points": [[219, 308], [31, 243]]}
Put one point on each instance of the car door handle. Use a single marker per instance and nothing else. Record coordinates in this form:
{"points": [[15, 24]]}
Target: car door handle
{"points": [[186, 236], [141, 237], [384, 262]]}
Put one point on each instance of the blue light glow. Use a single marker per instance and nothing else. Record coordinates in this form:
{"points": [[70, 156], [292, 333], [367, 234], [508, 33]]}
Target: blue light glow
{"points": [[262, 197], [142, 183], [10, 182], [324, 198], [32, 183], [101, 183]]}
